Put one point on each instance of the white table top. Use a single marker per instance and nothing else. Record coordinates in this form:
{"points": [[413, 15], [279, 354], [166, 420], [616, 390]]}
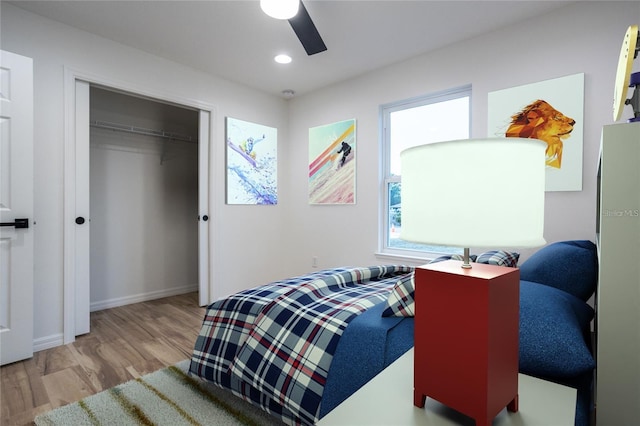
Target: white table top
{"points": [[388, 400]]}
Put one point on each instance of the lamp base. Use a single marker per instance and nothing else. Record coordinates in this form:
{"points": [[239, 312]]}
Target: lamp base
{"points": [[466, 338], [466, 262]]}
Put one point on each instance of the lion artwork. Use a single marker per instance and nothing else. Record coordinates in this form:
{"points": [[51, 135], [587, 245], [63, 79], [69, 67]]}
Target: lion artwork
{"points": [[539, 120]]}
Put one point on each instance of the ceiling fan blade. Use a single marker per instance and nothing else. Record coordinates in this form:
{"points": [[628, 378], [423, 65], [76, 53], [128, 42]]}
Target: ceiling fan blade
{"points": [[307, 32]]}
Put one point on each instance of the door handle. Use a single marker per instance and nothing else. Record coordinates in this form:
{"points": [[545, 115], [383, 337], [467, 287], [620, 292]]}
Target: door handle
{"points": [[18, 223]]}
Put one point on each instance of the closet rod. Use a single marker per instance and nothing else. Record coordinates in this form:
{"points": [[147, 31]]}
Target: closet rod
{"points": [[140, 130]]}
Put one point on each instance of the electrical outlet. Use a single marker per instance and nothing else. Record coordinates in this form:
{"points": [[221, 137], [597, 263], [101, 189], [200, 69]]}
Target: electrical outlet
{"points": [[314, 262]]}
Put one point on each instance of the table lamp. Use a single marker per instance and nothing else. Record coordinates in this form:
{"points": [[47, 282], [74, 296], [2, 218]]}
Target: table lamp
{"points": [[485, 193]]}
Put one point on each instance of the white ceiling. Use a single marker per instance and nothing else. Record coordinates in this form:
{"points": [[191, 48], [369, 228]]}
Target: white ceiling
{"points": [[236, 41]]}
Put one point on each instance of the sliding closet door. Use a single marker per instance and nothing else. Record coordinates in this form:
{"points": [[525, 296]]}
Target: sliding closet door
{"points": [[80, 220], [203, 206]]}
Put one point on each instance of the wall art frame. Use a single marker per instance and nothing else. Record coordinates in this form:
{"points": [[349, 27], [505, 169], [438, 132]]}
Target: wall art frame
{"points": [[552, 111], [252, 163], [332, 163]]}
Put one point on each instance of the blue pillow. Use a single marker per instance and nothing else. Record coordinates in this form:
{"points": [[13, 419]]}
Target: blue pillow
{"points": [[553, 326], [571, 266]]}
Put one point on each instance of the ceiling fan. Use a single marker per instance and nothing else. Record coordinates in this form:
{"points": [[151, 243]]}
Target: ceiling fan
{"points": [[307, 32], [298, 16]]}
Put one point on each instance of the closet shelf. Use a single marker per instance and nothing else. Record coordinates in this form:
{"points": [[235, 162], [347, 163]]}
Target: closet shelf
{"points": [[140, 130]]}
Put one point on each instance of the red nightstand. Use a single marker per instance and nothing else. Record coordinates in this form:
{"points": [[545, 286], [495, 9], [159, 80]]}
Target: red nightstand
{"points": [[466, 338]]}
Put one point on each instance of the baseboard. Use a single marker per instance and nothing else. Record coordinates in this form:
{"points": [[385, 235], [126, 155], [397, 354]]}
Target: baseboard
{"points": [[42, 343], [142, 297]]}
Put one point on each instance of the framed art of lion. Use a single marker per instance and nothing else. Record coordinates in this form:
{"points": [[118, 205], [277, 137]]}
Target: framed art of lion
{"points": [[551, 111]]}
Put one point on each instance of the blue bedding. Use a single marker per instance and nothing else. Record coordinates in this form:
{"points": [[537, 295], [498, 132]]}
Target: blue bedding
{"points": [[274, 344], [372, 342]]}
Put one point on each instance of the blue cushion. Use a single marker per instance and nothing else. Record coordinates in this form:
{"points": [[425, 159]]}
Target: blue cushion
{"points": [[571, 266], [553, 326]]}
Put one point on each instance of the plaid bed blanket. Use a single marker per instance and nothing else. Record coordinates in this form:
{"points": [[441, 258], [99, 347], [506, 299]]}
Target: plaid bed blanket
{"points": [[279, 339]]}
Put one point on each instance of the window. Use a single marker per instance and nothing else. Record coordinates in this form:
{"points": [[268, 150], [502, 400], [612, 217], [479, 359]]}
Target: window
{"points": [[436, 117]]}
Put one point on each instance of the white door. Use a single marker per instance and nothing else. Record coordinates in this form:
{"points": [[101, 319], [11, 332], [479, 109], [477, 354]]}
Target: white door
{"points": [[16, 206], [203, 207], [81, 268]]}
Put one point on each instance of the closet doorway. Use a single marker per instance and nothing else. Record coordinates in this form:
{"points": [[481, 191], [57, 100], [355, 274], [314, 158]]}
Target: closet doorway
{"points": [[143, 199], [139, 192]]}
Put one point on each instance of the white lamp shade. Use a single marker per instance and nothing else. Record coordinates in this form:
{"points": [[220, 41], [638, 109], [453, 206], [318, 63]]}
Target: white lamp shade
{"points": [[474, 193], [280, 9]]}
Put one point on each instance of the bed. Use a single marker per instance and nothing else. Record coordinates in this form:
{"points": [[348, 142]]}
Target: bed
{"points": [[299, 347]]}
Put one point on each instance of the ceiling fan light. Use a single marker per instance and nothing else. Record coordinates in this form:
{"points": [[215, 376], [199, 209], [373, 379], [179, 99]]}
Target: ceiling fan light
{"points": [[280, 9]]}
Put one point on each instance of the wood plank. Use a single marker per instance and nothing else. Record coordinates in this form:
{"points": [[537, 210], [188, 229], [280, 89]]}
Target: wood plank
{"points": [[124, 343], [68, 385]]}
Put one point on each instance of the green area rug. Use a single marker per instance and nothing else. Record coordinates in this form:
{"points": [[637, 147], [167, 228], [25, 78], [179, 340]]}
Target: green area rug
{"points": [[165, 397]]}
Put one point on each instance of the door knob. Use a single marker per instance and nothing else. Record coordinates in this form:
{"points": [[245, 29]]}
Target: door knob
{"points": [[79, 220]]}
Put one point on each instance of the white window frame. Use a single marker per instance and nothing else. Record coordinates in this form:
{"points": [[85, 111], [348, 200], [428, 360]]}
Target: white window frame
{"points": [[386, 178]]}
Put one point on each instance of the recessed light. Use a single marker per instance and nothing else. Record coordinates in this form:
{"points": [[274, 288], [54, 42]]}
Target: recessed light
{"points": [[283, 59]]}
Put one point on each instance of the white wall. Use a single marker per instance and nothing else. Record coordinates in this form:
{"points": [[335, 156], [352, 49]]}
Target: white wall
{"points": [[581, 38], [144, 240], [242, 237]]}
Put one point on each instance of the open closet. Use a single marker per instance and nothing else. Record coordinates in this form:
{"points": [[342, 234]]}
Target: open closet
{"points": [[143, 199]]}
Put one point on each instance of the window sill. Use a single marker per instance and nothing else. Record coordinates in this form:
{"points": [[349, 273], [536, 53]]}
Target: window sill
{"points": [[405, 258]]}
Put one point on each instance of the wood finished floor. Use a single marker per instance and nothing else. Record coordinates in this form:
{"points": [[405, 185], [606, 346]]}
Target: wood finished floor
{"points": [[124, 343]]}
